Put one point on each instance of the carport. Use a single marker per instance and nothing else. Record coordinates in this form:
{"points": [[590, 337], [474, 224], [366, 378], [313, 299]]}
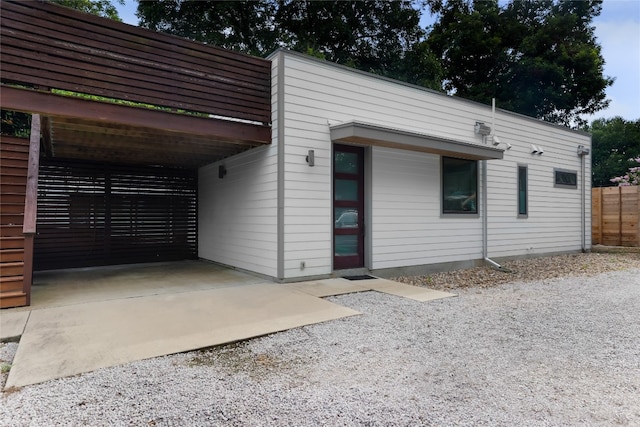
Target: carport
{"points": [[122, 118]]}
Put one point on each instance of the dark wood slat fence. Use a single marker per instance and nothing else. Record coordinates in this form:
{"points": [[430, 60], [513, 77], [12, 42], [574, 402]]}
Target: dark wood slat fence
{"points": [[97, 214]]}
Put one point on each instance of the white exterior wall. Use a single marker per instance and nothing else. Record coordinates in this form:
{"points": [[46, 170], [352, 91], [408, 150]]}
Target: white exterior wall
{"points": [[406, 227], [237, 215]]}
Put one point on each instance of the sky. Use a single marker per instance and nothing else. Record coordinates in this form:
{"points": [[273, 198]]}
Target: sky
{"points": [[617, 32]]}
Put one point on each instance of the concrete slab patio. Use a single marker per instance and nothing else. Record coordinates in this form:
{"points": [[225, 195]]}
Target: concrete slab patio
{"points": [[104, 317]]}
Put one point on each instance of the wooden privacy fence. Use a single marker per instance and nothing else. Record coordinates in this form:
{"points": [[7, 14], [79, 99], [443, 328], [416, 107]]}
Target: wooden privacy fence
{"points": [[615, 213]]}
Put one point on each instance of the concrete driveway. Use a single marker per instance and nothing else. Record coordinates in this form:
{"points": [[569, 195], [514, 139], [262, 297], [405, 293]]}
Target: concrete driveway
{"points": [[83, 320]]}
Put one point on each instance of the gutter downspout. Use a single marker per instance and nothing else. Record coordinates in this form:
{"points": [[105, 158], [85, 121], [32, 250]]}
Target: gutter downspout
{"points": [[484, 213], [582, 153]]}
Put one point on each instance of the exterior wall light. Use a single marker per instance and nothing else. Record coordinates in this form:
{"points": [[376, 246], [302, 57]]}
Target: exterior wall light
{"points": [[311, 158]]}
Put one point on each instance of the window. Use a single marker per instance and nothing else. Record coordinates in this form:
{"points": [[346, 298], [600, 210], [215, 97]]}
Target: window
{"points": [[522, 191], [565, 179], [459, 186]]}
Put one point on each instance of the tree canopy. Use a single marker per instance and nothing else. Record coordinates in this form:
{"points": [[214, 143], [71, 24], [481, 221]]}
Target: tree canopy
{"points": [[378, 36], [104, 8], [615, 142], [539, 58]]}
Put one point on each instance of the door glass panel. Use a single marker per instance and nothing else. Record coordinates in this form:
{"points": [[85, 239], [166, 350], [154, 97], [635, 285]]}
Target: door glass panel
{"points": [[346, 189], [346, 162], [346, 245], [346, 218]]}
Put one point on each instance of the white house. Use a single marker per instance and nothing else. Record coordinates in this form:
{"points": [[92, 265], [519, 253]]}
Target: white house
{"points": [[368, 174]]}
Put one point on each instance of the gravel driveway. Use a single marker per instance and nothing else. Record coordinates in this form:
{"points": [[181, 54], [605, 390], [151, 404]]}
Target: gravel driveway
{"points": [[561, 351]]}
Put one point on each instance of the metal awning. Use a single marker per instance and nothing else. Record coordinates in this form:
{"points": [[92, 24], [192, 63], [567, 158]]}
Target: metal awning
{"points": [[379, 136]]}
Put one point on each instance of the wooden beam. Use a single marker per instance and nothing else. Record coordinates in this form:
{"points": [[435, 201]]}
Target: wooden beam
{"points": [[31, 194], [32, 101], [31, 205]]}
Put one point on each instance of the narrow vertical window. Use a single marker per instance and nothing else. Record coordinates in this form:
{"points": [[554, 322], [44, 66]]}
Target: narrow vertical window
{"points": [[522, 191]]}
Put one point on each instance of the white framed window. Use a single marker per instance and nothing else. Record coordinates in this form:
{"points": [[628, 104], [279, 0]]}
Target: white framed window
{"points": [[459, 186]]}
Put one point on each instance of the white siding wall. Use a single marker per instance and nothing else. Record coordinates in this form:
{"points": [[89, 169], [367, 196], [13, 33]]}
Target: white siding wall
{"points": [[407, 228], [237, 215], [554, 220]]}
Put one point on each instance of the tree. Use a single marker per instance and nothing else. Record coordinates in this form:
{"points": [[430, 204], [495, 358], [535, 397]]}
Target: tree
{"points": [[373, 35], [245, 26], [538, 58], [615, 143], [104, 8]]}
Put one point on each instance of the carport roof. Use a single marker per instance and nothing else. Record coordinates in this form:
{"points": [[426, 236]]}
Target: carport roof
{"points": [[113, 92]]}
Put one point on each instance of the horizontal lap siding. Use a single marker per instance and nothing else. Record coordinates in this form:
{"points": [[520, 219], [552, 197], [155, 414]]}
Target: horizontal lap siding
{"points": [[406, 226], [238, 214], [553, 223], [319, 95]]}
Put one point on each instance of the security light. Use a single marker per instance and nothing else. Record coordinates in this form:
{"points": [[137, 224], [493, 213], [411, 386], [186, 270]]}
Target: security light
{"points": [[482, 129]]}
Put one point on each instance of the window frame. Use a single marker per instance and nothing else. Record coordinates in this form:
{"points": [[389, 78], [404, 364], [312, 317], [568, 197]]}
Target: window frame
{"points": [[457, 214], [521, 167], [561, 185]]}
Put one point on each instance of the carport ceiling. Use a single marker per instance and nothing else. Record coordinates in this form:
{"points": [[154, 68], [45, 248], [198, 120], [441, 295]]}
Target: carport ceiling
{"points": [[75, 138]]}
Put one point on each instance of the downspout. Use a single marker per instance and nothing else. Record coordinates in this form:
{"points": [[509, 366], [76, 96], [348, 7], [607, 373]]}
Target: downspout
{"points": [[484, 213], [582, 153]]}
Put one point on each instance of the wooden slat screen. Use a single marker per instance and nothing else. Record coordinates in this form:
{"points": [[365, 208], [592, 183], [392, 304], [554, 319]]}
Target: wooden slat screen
{"points": [[102, 214], [44, 44]]}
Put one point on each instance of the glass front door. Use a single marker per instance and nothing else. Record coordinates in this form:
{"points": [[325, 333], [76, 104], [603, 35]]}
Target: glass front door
{"points": [[348, 207]]}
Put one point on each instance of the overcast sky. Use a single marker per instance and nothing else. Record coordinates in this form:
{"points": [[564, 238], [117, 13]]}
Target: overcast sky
{"points": [[617, 31]]}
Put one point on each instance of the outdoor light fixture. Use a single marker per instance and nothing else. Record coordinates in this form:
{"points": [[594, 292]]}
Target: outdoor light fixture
{"points": [[495, 140], [482, 129], [311, 158], [222, 171], [582, 150]]}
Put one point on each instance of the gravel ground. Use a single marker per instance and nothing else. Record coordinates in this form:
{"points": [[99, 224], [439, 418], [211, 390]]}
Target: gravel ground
{"points": [[552, 351]]}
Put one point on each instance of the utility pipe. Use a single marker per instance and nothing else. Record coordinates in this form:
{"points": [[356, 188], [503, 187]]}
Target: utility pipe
{"points": [[484, 212], [582, 153]]}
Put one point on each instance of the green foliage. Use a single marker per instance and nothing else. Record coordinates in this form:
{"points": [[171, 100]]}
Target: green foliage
{"points": [[615, 142], [15, 123], [102, 8], [538, 58], [378, 36]]}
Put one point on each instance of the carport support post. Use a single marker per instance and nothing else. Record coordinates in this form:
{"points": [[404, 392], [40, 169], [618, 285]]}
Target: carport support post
{"points": [[31, 205]]}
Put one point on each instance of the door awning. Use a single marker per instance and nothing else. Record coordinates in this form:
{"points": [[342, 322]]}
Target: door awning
{"points": [[378, 136]]}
